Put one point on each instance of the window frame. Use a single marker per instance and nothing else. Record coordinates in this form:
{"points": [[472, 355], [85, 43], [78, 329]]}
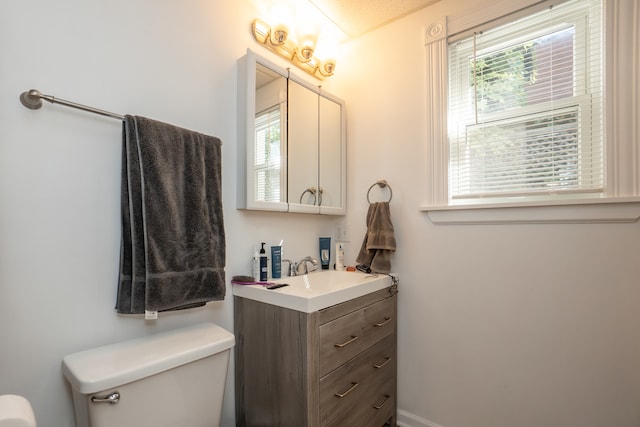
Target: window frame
{"points": [[585, 100], [620, 201]]}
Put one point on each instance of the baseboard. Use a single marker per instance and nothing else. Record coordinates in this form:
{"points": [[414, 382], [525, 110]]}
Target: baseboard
{"points": [[407, 419]]}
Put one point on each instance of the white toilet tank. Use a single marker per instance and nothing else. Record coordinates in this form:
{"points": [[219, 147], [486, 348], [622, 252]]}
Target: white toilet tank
{"points": [[174, 378]]}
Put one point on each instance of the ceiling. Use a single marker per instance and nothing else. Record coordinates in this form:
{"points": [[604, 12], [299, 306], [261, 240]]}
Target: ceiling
{"points": [[356, 17]]}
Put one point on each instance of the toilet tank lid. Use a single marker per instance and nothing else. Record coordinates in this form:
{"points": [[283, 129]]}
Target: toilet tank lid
{"points": [[113, 365]]}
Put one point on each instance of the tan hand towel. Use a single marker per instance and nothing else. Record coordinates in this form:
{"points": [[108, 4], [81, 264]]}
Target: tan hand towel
{"points": [[379, 241]]}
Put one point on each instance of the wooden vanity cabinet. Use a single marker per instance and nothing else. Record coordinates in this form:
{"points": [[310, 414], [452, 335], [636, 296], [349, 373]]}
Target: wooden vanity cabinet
{"points": [[333, 367]]}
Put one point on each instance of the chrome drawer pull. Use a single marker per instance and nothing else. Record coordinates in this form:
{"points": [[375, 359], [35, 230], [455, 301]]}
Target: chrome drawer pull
{"points": [[386, 320], [383, 403], [386, 360], [344, 344], [111, 398], [353, 386]]}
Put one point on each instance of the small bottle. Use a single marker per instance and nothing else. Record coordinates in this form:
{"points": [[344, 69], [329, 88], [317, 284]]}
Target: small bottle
{"points": [[339, 256], [263, 264], [256, 265]]}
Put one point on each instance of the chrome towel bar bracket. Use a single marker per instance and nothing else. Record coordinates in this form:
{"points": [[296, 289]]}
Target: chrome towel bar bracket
{"points": [[32, 99]]}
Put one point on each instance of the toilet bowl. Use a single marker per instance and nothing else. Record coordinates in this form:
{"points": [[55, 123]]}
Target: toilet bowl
{"points": [[175, 378], [16, 411]]}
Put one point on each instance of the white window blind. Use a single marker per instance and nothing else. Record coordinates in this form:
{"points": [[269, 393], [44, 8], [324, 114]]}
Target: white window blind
{"points": [[526, 107], [267, 155]]}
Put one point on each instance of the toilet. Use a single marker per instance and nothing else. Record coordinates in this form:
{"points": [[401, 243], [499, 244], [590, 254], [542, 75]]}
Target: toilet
{"points": [[174, 378], [16, 411]]}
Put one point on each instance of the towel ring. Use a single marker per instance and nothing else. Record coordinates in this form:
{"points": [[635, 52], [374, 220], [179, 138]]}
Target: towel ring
{"points": [[382, 184]]}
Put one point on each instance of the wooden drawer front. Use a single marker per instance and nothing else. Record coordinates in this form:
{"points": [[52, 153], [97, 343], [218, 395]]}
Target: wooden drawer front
{"points": [[347, 336], [362, 391], [332, 313]]}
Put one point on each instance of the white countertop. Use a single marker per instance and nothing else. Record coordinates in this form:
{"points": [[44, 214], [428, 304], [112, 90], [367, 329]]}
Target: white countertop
{"points": [[316, 290]]}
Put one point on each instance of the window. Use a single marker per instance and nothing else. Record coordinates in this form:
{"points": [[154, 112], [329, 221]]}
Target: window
{"points": [[525, 117], [267, 155]]}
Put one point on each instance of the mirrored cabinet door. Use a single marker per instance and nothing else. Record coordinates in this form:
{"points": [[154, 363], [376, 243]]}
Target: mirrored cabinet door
{"points": [[262, 135], [304, 195], [332, 156], [269, 177]]}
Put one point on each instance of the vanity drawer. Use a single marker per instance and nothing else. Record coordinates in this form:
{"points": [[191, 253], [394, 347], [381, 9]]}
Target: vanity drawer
{"points": [[347, 336], [362, 391]]}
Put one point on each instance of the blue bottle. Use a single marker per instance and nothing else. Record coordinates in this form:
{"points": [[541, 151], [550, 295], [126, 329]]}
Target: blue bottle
{"points": [[276, 262], [325, 252]]}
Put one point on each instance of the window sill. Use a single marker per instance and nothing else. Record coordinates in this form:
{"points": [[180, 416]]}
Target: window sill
{"points": [[590, 211]]}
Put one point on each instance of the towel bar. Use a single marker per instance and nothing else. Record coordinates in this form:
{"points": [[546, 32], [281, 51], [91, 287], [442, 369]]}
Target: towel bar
{"points": [[32, 99]]}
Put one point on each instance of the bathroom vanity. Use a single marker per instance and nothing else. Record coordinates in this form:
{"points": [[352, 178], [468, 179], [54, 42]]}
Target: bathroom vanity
{"points": [[319, 352]]}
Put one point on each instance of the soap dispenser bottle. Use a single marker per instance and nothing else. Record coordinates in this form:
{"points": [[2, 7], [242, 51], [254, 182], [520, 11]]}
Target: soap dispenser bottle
{"points": [[263, 264]]}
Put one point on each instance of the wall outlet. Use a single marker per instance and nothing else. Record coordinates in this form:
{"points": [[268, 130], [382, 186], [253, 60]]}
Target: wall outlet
{"points": [[342, 233]]}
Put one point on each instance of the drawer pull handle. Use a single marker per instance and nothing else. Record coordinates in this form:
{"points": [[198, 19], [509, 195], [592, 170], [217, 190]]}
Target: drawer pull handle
{"points": [[387, 397], [353, 386], [386, 320], [346, 343], [386, 360]]}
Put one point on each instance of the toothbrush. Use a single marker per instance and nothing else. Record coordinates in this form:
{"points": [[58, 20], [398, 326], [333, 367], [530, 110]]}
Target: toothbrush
{"points": [[248, 280]]}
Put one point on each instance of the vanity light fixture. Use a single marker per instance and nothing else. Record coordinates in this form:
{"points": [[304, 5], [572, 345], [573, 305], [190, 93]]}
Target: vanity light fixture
{"points": [[300, 54]]}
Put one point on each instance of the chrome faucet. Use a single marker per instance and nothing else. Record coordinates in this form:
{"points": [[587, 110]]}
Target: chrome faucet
{"points": [[302, 266]]}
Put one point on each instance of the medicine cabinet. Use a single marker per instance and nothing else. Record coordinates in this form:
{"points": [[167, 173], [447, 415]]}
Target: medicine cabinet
{"points": [[291, 145]]}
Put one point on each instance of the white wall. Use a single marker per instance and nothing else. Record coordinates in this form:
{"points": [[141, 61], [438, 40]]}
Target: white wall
{"points": [[499, 325], [171, 60]]}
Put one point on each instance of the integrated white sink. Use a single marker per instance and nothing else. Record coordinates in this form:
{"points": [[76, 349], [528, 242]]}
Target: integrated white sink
{"points": [[316, 290]]}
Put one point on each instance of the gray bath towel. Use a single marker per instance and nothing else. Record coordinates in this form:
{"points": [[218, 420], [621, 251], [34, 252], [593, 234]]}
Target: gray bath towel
{"points": [[173, 241], [379, 241]]}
